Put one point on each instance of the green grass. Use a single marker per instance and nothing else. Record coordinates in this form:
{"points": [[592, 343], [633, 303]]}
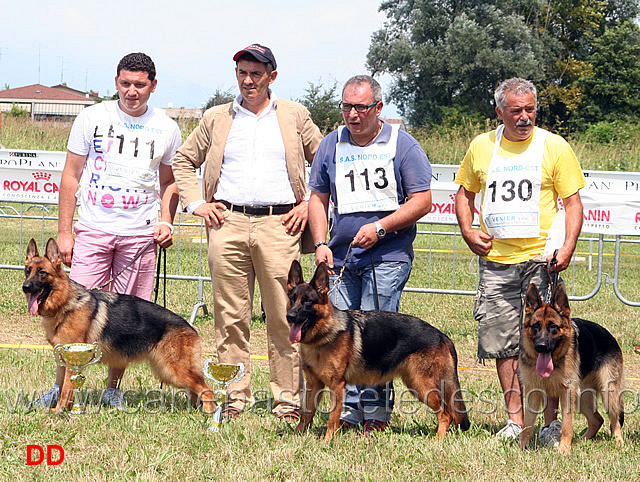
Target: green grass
{"points": [[171, 441]]}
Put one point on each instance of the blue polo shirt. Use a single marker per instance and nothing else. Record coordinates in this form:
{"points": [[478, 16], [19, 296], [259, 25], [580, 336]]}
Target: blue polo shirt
{"points": [[413, 174]]}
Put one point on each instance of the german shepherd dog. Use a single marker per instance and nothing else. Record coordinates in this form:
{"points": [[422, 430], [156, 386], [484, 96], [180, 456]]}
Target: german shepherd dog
{"points": [[369, 348], [570, 359], [129, 329]]}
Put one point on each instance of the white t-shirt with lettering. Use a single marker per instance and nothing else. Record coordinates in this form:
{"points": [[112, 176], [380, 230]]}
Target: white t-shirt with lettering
{"points": [[119, 188]]}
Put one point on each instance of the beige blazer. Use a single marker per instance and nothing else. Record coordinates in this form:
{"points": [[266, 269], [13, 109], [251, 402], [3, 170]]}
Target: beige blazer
{"points": [[207, 142]]}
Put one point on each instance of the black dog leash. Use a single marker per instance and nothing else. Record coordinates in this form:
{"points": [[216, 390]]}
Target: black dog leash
{"points": [[161, 256]]}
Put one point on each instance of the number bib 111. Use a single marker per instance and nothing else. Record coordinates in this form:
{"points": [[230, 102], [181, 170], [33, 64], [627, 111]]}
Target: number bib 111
{"points": [[365, 176], [511, 204]]}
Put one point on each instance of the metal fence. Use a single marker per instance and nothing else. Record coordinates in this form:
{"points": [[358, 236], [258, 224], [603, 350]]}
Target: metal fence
{"points": [[443, 263]]}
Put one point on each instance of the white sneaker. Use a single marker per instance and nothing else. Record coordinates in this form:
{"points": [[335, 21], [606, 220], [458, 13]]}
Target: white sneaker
{"points": [[112, 398], [550, 435], [48, 400], [511, 431]]}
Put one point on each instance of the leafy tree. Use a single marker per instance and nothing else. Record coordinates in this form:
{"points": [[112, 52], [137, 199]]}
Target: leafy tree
{"points": [[613, 86], [447, 55], [219, 97], [323, 106]]}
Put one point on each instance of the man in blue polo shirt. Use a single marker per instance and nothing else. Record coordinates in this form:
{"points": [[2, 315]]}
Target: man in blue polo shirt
{"points": [[378, 179]]}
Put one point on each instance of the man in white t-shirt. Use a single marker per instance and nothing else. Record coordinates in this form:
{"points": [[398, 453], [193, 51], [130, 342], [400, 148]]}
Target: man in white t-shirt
{"points": [[118, 167]]}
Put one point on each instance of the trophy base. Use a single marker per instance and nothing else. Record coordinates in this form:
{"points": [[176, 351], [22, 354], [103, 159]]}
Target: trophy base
{"points": [[77, 410]]}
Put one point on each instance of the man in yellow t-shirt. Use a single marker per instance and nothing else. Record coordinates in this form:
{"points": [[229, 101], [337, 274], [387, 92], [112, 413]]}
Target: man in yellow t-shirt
{"points": [[520, 170]]}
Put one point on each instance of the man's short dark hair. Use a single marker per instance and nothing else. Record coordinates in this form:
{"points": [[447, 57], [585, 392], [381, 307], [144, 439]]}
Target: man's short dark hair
{"points": [[138, 62], [250, 58]]}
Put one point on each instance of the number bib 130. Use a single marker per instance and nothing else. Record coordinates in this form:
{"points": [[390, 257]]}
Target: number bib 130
{"points": [[365, 176], [511, 204]]}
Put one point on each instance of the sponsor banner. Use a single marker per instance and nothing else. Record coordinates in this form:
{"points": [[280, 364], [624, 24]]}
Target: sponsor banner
{"points": [[611, 199], [30, 176]]}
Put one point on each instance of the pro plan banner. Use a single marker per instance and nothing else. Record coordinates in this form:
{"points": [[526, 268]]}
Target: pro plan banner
{"points": [[30, 176], [611, 199]]}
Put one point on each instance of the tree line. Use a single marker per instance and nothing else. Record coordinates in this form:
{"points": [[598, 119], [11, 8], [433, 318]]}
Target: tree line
{"points": [[446, 57]]}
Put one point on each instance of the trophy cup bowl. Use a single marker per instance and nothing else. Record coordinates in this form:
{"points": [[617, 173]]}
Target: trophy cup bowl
{"points": [[222, 375], [76, 357]]}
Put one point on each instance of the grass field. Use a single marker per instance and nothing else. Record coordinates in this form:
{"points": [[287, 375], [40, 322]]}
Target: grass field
{"points": [[159, 437]]}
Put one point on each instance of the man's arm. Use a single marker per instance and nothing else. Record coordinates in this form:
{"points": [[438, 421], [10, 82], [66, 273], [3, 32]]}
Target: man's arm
{"points": [[418, 205], [318, 223], [71, 174], [190, 156], [479, 242], [573, 226], [168, 205]]}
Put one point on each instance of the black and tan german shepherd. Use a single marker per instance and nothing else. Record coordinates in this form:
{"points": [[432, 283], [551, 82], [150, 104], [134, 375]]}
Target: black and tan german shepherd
{"points": [[570, 359], [129, 329], [369, 348]]}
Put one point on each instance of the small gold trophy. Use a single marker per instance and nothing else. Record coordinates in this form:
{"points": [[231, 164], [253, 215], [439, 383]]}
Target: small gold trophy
{"points": [[76, 357], [223, 375]]}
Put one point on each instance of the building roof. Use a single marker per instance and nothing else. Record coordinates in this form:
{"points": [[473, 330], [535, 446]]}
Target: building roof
{"points": [[43, 93]]}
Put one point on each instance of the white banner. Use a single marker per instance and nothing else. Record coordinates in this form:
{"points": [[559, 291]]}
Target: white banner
{"points": [[611, 199]]}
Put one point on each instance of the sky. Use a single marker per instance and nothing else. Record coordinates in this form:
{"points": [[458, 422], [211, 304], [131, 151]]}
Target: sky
{"points": [[192, 43]]}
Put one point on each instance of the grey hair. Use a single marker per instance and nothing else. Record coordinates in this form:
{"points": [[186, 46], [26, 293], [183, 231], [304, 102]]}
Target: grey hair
{"points": [[516, 86], [376, 89]]}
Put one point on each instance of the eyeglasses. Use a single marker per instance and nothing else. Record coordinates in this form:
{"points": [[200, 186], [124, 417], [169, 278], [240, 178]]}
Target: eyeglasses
{"points": [[345, 107]]}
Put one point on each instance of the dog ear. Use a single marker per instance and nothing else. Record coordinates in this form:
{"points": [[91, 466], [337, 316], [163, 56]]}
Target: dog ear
{"points": [[32, 250], [320, 280], [561, 301], [532, 299], [53, 252], [295, 275]]}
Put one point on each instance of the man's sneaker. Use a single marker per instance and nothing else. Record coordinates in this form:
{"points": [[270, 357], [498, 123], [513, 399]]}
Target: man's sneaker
{"points": [[511, 431], [112, 397], [550, 435], [371, 426], [48, 400]]}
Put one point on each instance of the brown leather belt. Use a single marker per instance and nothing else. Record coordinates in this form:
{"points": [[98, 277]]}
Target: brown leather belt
{"points": [[259, 210]]}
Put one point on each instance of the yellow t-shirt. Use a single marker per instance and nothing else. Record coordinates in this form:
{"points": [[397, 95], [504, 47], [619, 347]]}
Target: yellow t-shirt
{"points": [[561, 176]]}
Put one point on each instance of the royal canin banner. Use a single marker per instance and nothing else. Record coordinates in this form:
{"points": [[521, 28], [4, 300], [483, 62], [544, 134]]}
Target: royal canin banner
{"points": [[611, 199]]}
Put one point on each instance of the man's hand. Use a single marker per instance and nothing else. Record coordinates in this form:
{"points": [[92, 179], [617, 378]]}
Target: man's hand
{"points": [[212, 213], [563, 258], [162, 235], [295, 220], [366, 236], [325, 255], [65, 243], [479, 242]]}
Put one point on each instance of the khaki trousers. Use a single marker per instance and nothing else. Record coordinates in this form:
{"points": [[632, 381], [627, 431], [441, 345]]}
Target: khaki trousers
{"points": [[242, 249]]}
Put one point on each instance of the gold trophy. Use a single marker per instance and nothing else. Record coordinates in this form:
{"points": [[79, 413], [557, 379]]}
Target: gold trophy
{"points": [[223, 375], [76, 357]]}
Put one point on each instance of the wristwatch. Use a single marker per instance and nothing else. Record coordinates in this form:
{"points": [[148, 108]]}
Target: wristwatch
{"points": [[380, 231]]}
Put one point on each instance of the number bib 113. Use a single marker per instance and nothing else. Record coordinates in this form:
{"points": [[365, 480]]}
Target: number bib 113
{"points": [[511, 204], [365, 176]]}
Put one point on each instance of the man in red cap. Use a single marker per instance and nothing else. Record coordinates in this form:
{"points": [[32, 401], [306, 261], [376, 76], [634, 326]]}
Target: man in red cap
{"points": [[253, 202]]}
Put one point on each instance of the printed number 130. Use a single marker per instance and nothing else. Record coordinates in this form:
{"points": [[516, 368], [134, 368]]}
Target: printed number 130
{"points": [[524, 191], [381, 183]]}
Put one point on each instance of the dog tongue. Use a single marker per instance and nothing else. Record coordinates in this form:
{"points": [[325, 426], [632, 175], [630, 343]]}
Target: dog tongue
{"points": [[296, 333], [544, 365], [33, 304]]}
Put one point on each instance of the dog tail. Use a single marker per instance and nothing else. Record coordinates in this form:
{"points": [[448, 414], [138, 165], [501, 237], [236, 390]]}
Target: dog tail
{"points": [[454, 396]]}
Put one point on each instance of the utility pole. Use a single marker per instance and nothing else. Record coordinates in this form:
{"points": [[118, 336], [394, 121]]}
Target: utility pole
{"points": [[61, 69]]}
